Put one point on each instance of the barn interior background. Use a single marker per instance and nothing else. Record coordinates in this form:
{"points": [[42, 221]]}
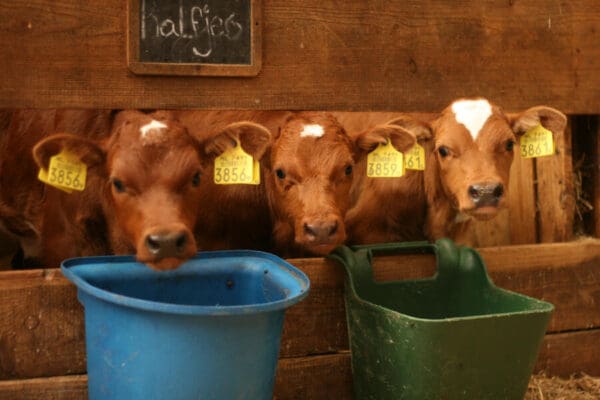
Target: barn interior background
{"points": [[406, 56]]}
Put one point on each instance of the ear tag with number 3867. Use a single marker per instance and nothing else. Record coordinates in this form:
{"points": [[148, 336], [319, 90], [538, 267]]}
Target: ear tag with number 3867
{"points": [[537, 142], [65, 172], [235, 166], [385, 162]]}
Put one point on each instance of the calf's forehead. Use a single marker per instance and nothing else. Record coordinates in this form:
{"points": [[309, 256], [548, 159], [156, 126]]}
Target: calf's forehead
{"points": [[313, 143], [472, 121], [145, 142], [139, 130]]}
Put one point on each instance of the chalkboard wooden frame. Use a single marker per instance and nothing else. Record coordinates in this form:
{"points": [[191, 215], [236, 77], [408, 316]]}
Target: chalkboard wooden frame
{"points": [[198, 69]]}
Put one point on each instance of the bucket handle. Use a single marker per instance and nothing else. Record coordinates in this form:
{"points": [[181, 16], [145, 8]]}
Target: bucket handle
{"points": [[357, 260]]}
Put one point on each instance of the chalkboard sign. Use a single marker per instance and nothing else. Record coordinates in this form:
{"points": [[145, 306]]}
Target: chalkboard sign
{"points": [[194, 37]]}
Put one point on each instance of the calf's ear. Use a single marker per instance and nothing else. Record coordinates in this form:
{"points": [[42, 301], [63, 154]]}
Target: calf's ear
{"points": [[548, 117], [88, 151], [402, 139], [420, 129], [254, 138]]}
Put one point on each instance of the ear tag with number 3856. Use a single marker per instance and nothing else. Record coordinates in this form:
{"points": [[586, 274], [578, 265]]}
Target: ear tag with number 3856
{"points": [[385, 162], [537, 142], [65, 172], [235, 166]]}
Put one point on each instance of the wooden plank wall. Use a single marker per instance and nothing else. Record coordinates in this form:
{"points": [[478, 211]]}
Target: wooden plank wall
{"points": [[409, 55], [42, 332]]}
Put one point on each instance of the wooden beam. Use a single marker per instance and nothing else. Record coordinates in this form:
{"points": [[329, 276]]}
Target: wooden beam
{"points": [[329, 376], [567, 353], [54, 388], [318, 377], [395, 55], [42, 332]]}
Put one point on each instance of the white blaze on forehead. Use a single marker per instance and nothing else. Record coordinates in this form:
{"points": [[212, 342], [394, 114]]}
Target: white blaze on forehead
{"points": [[312, 130], [472, 114], [153, 133], [153, 125]]}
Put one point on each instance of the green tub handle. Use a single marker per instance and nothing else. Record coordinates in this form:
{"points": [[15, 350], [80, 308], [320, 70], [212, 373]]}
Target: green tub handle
{"points": [[453, 262]]}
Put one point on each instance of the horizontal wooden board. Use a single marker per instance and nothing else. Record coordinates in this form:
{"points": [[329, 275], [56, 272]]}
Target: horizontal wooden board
{"points": [[566, 353], [394, 55], [329, 376], [42, 333], [54, 388]]}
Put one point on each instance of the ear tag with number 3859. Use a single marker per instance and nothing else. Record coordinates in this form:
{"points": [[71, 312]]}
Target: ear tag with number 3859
{"points": [[537, 142], [65, 172], [235, 166], [385, 162]]}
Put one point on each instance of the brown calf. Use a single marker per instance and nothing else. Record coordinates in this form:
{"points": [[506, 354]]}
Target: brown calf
{"points": [[469, 151], [233, 216], [312, 168], [141, 196], [307, 170]]}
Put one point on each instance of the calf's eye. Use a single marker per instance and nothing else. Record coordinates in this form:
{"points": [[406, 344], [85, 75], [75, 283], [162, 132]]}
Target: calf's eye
{"points": [[443, 150], [348, 170], [196, 179], [280, 174], [118, 185], [509, 145]]}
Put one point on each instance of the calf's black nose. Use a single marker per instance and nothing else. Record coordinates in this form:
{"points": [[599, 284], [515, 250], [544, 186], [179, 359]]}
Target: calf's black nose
{"points": [[486, 194], [166, 244]]}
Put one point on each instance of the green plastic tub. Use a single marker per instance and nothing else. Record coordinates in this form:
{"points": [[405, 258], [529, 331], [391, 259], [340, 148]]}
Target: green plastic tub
{"points": [[453, 336]]}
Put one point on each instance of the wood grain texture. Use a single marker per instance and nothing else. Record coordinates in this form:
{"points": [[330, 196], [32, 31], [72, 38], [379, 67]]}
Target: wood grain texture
{"points": [[596, 179], [555, 191], [54, 388], [354, 55], [521, 202], [567, 353], [41, 322], [41, 325], [319, 377]]}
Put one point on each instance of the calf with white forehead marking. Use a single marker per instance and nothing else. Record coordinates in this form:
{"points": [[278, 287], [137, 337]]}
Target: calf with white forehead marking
{"points": [[152, 132], [312, 162], [311, 178], [144, 182], [467, 174], [468, 151]]}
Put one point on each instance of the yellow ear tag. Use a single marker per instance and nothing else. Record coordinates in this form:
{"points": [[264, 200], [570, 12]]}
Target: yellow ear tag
{"points": [[537, 142], [415, 158], [235, 166], [65, 172], [385, 162]]}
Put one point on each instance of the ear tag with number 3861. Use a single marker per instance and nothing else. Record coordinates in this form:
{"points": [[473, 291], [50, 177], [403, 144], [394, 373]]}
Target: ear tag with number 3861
{"points": [[235, 166], [537, 142], [65, 172], [415, 158], [385, 162]]}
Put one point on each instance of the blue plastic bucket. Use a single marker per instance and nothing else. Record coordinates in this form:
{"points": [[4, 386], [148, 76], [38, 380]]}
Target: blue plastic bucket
{"points": [[208, 330]]}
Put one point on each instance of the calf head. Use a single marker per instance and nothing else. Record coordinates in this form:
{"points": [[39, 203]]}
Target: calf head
{"points": [[312, 161], [151, 169], [473, 143], [312, 169]]}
